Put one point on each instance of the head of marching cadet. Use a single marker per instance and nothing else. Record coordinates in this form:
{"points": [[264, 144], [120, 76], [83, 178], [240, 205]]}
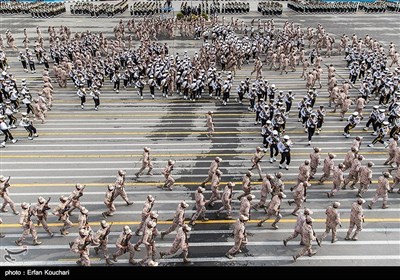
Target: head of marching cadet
{"points": [[171, 162], [121, 172], [184, 204], [249, 174], [307, 211], [146, 149]]}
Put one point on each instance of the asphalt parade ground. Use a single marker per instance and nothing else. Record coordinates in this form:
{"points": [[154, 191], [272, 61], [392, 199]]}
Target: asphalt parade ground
{"points": [[89, 147]]}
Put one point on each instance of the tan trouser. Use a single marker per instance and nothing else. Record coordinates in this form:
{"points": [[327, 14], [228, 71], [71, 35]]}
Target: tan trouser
{"points": [[28, 229], [130, 248], [8, 201], [121, 192], [235, 249]]}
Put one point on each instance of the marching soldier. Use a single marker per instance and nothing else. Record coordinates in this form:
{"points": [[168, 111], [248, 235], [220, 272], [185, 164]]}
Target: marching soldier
{"points": [[101, 236], [239, 236], [149, 235], [226, 201], [299, 196], [332, 221], [215, 195], [169, 181], [284, 148], [349, 158], [124, 245], [41, 214], [81, 247], [120, 187], [61, 211], [74, 198], [256, 160], [4, 185], [1, 235], [109, 201], [180, 242], [246, 184], [83, 221], [353, 173], [304, 172], [210, 124], [337, 179], [213, 167], [148, 205], [308, 235], [245, 205], [382, 190], [146, 163], [315, 160], [396, 180], [27, 224], [356, 219], [178, 220], [266, 188], [152, 217], [301, 219], [353, 120], [365, 175], [200, 206], [274, 210], [28, 125], [328, 167]]}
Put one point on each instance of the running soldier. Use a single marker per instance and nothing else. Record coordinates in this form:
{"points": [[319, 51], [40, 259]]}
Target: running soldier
{"points": [[169, 181], [356, 219], [215, 194], [332, 221], [274, 210], [120, 187], [27, 224], [101, 237], [337, 179], [213, 167], [246, 185], [226, 201], [308, 235], [109, 201], [239, 236], [382, 190], [61, 211], [181, 242], [365, 175], [148, 205], [4, 185], [146, 163], [299, 196], [328, 168], [256, 160], [124, 245], [210, 124], [301, 219], [315, 160], [266, 189], [353, 173], [200, 206], [178, 220]]}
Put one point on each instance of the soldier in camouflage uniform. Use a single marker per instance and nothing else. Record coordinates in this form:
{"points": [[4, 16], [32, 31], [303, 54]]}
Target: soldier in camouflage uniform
{"points": [[332, 221]]}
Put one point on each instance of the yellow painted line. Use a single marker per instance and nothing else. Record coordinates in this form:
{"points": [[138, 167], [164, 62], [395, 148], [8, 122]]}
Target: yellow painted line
{"points": [[160, 155], [115, 223], [74, 115]]}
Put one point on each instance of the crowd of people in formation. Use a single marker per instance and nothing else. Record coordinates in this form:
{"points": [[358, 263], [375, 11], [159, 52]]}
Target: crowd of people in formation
{"points": [[269, 8], [393, 6], [35, 9], [301, 6], [373, 7], [150, 8], [214, 7], [96, 10], [89, 60]]}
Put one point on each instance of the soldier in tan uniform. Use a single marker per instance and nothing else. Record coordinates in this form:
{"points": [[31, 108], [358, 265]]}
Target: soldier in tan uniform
{"points": [[124, 245], [265, 190], [356, 219], [101, 237], [246, 184], [256, 159], [245, 205], [349, 158], [120, 187], [353, 173], [277, 183], [308, 235], [396, 180], [337, 179], [61, 211], [41, 214], [392, 149], [213, 167], [226, 201], [178, 220], [304, 172], [210, 124], [81, 247], [301, 219], [149, 235], [200, 206], [328, 167], [365, 175], [315, 160], [181, 242], [215, 194], [148, 205], [27, 224], [74, 198], [357, 143], [83, 219], [146, 163], [299, 196], [4, 186], [1, 235], [332, 221], [274, 210], [109, 201], [239, 236], [382, 190], [169, 181], [153, 217]]}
